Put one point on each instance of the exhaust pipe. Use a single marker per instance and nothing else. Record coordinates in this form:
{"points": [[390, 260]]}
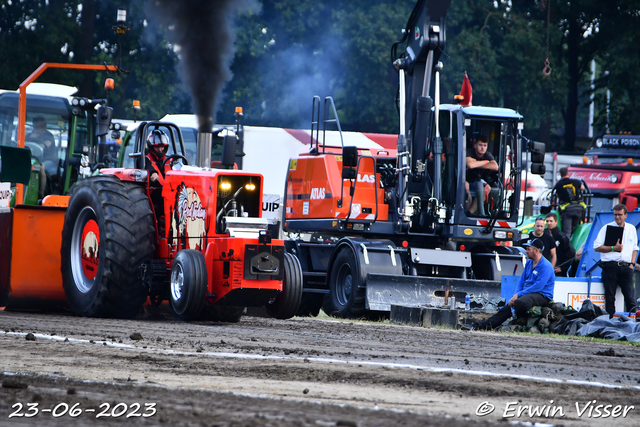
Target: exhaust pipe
{"points": [[205, 128]]}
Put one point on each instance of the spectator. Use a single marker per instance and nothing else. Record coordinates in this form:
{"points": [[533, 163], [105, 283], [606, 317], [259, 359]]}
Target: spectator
{"points": [[564, 251], [618, 261], [576, 261], [535, 288], [571, 206], [549, 250]]}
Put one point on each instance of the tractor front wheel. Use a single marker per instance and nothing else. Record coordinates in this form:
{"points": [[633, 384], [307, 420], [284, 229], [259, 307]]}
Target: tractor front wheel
{"points": [[287, 302], [188, 284], [108, 233]]}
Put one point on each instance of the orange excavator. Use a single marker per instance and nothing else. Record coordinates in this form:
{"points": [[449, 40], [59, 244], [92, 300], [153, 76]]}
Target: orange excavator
{"points": [[410, 226]]}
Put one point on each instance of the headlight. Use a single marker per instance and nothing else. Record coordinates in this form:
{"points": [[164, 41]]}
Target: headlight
{"points": [[499, 234]]}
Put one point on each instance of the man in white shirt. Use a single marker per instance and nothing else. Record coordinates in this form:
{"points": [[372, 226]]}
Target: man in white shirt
{"points": [[618, 261]]}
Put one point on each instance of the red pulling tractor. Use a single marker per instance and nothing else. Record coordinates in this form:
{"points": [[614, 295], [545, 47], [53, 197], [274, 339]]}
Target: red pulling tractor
{"points": [[110, 247], [209, 253]]}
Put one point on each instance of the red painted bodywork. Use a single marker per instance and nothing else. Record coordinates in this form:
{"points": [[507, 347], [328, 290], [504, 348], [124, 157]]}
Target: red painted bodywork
{"points": [[190, 209]]}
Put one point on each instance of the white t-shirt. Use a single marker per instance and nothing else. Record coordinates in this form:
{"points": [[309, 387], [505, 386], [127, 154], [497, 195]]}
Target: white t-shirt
{"points": [[629, 243]]}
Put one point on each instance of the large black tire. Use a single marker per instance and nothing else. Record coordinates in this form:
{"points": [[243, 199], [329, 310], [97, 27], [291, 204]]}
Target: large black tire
{"points": [[286, 304], [310, 305], [188, 284], [112, 219], [345, 298], [224, 313]]}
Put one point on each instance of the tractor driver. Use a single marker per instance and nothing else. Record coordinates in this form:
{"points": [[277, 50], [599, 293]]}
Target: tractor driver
{"points": [[44, 138], [480, 164], [157, 146]]}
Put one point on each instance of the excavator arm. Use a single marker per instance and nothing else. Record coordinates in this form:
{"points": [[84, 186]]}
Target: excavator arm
{"points": [[423, 41]]}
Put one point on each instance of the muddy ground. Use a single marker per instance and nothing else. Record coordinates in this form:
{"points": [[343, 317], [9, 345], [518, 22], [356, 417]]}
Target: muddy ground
{"points": [[60, 370]]}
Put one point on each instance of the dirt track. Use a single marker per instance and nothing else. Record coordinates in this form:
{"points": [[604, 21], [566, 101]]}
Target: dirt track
{"points": [[303, 372]]}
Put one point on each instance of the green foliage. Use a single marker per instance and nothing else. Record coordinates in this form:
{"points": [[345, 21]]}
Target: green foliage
{"points": [[291, 50]]}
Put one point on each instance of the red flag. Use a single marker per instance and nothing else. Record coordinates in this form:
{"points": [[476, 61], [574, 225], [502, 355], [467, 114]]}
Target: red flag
{"points": [[466, 91]]}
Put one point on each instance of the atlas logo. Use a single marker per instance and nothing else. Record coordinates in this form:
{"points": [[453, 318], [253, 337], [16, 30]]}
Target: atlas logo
{"points": [[367, 178], [317, 193]]}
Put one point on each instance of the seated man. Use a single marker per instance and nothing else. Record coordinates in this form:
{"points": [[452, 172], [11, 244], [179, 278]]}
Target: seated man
{"points": [[535, 288], [480, 164], [157, 146], [44, 138]]}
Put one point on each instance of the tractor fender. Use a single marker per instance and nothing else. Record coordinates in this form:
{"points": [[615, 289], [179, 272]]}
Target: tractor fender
{"points": [[127, 174], [372, 256]]}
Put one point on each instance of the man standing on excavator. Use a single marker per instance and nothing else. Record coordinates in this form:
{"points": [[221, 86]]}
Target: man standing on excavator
{"points": [[155, 162]]}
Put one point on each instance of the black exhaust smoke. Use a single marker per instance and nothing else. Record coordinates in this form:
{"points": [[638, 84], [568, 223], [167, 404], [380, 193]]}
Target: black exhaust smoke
{"points": [[203, 31]]}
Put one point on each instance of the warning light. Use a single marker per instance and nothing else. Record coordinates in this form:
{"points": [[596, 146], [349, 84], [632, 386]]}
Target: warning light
{"points": [[405, 244], [584, 160], [239, 110], [136, 104], [225, 186], [463, 247], [109, 84], [629, 161], [250, 186]]}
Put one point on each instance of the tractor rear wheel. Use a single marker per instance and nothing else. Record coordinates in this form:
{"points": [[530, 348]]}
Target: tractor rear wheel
{"points": [[346, 297], [108, 233], [286, 304], [188, 284]]}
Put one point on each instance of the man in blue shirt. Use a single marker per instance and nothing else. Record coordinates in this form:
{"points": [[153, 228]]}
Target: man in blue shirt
{"points": [[535, 288]]}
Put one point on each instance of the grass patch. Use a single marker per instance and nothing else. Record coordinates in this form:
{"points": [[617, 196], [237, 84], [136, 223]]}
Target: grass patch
{"points": [[363, 319]]}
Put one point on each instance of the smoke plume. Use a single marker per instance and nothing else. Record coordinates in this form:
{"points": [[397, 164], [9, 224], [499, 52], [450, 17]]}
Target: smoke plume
{"points": [[203, 32]]}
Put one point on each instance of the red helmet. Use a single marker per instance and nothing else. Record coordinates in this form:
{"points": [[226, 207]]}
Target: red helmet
{"points": [[157, 138]]}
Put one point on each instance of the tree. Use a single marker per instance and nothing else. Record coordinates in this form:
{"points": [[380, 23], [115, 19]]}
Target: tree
{"points": [[294, 50], [619, 67]]}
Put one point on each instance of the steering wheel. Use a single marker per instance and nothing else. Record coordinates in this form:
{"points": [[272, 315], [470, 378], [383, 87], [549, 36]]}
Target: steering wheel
{"points": [[173, 157]]}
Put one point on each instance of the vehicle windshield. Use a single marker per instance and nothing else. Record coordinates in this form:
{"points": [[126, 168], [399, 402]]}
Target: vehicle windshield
{"points": [[615, 160], [46, 134], [490, 187]]}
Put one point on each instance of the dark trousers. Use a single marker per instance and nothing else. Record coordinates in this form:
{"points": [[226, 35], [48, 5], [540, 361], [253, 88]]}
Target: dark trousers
{"points": [[522, 305], [571, 217], [614, 275]]}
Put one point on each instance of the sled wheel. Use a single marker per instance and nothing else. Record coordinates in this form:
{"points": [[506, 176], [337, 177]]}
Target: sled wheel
{"points": [[225, 314], [108, 233], [345, 298], [188, 283], [310, 305], [286, 304]]}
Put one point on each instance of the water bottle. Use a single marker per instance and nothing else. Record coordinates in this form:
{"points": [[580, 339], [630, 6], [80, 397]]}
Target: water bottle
{"points": [[513, 313], [467, 302]]}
